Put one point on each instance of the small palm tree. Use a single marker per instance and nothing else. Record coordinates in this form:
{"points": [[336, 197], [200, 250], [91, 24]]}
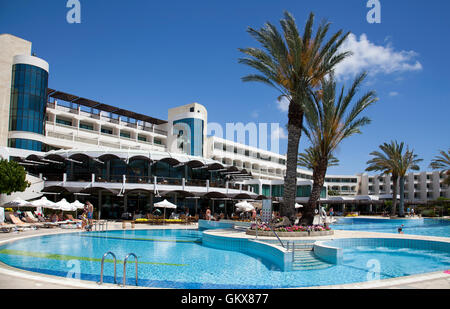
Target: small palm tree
{"points": [[330, 118], [294, 64], [393, 161], [311, 157], [442, 162], [386, 162], [408, 161]]}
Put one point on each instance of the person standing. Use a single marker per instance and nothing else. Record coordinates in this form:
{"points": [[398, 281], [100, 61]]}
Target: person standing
{"points": [[208, 214], [90, 213]]}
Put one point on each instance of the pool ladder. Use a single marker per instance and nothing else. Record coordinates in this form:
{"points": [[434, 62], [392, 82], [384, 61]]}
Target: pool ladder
{"points": [[115, 267]]}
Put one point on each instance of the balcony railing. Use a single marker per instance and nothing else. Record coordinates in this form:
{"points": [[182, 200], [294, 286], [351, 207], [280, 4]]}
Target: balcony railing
{"points": [[97, 178]]}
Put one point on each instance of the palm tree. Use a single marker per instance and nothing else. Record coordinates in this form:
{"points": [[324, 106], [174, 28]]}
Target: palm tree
{"points": [[294, 65], [386, 162], [394, 162], [330, 118], [442, 162], [408, 161]]}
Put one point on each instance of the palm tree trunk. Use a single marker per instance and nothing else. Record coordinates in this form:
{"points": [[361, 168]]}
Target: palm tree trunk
{"points": [[394, 195], [290, 180], [318, 181], [401, 210]]}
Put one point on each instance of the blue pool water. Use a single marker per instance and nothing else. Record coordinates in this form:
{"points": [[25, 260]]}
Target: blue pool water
{"points": [[426, 227], [178, 259]]}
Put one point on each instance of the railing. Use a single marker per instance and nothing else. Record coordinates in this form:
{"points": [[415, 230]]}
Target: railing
{"points": [[195, 183], [125, 268], [168, 181], [115, 267], [139, 179]]}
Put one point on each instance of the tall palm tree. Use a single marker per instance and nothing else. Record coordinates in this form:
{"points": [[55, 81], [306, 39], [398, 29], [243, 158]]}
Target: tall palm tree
{"points": [[294, 65], [332, 117], [442, 162], [408, 161], [386, 162]]}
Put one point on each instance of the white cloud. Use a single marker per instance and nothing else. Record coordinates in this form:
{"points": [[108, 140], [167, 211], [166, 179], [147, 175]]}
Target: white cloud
{"points": [[254, 114], [280, 133], [375, 59], [283, 104], [393, 93]]}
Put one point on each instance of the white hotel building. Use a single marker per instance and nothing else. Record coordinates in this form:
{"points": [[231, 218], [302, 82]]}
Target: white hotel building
{"points": [[72, 146]]}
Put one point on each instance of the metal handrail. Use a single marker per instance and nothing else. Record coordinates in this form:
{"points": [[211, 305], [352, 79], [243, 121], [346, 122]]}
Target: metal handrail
{"points": [[276, 235], [115, 267], [125, 268]]}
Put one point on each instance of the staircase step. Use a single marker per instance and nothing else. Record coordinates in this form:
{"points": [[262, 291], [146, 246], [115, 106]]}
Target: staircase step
{"points": [[311, 267]]}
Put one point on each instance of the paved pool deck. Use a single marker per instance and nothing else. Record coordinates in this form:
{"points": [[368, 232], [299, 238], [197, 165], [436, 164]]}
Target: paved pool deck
{"points": [[12, 278]]}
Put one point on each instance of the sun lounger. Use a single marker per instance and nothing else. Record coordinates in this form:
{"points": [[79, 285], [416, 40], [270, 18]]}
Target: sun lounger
{"points": [[32, 222], [7, 228], [71, 218], [19, 222]]}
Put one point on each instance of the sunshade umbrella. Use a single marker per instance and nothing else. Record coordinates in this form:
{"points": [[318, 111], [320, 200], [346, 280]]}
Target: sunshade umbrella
{"points": [[77, 205], [64, 205], [166, 204], [43, 202], [298, 205], [245, 206], [18, 202]]}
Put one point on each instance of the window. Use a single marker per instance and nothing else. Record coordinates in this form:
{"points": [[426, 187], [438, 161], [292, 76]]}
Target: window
{"points": [[142, 138], [125, 134], [192, 110], [86, 126], [157, 141], [107, 131], [63, 121]]}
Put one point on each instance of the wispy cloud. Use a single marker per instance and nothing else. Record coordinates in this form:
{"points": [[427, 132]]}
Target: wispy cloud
{"points": [[254, 114], [280, 133], [376, 59], [283, 104], [393, 93]]}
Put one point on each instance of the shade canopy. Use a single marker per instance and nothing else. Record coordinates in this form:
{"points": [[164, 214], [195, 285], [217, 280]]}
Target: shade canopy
{"points": [[165, 204], [64, 205], [43, 202], [244, 206], [18, 202], [77, 205]]}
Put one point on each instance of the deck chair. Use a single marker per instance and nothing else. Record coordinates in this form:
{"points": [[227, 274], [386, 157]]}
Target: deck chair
{"points": [[19, 222], [7, 228], [71, 218]]}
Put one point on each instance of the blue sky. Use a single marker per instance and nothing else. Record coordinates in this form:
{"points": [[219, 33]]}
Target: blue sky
{"points": [[149, 56]]}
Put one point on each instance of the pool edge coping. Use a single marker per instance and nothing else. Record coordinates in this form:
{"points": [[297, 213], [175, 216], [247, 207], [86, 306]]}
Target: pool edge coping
{"points": [[86, 284]]}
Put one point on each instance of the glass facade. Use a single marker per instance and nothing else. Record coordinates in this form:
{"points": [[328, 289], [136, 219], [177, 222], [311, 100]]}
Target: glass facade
{"points": [[196, 127], [28, 103]]}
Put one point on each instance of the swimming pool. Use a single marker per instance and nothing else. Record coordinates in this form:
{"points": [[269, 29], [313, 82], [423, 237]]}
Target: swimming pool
{"points": [[423, 226], [178, 259]]}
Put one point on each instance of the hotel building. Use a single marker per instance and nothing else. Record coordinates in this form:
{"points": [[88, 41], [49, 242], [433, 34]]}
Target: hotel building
{"points": [[124, 161]]}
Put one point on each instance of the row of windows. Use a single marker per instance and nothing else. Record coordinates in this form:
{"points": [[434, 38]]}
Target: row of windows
{"points": [[344, 180], [247, 154], [105, 130]]}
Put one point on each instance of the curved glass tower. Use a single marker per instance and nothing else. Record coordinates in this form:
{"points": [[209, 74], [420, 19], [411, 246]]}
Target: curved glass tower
{"points": [[28, 101]]}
